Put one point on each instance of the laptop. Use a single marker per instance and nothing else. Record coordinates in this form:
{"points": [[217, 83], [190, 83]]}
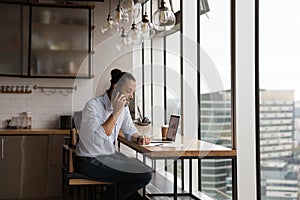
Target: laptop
{"points": [[171, 134]]}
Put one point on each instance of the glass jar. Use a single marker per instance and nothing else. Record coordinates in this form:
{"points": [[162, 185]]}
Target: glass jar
{"points": [[26, 120]]}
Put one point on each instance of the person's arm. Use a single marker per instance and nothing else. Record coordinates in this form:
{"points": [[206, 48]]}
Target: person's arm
{"points": [[130, 131], [118, 104], [140, 139], [109, 124]]}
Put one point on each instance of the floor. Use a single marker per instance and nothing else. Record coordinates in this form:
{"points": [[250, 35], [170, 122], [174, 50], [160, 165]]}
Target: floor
{"points": [[152, 198], [159, 184]]}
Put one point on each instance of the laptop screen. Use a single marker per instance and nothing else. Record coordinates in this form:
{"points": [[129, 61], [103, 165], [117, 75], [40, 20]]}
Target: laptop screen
{"points": [[173, 126]]}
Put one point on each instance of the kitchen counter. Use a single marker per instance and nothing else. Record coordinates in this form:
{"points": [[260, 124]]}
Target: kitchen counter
{"points": [[30, 162], [34, 131]]}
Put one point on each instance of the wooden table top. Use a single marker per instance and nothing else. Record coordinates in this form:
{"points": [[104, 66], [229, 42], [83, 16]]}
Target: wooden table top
{"points": [[34, 131], [184, 146]]}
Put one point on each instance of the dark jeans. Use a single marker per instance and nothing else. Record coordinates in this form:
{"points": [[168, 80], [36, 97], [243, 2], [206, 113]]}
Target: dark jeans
{"points": [[129, 173]]}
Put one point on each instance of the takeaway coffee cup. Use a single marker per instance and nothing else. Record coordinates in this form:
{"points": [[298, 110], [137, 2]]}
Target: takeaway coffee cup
{"points": [[164, 131]]}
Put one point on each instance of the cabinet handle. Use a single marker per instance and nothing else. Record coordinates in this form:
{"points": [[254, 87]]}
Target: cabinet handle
{"points": [[2, 148]]}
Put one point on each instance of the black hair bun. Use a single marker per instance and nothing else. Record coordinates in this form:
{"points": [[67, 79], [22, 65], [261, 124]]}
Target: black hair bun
{"points": [[115, 73], [115, 76]]}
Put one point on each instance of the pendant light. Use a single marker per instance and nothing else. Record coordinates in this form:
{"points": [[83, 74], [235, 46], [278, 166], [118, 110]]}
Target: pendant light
{"points": [[122, 18], [127, 4], [136, 9], [132, 8], [118, 13], [204, 8], [135, 35], [110, 27], [146, 27], [163, 18], [123, 40]]}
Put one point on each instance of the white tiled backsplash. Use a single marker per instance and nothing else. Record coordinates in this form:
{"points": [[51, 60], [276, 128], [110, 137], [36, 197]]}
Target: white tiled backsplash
{"points": [[45, 109]]}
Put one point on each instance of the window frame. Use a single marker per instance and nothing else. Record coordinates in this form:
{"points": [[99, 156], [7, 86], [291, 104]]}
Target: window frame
{"points": [[179, 20]]}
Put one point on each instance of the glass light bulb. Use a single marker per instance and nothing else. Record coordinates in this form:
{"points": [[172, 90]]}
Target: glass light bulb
{"points": [[125, 21], [135, 35], [127, 4], [110, 27], [146, 28], [163, 18], [118, 14], [136, 10], [132, 9], [122, 41], [122, 18]]}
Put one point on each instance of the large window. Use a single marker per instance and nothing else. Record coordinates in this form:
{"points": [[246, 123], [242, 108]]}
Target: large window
{"points": [[215, 44], [216, 65], [173, 74], [279, 92], [190, 72]]}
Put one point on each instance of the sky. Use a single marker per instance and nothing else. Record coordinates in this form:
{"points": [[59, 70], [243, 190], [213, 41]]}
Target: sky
{"points": [[279, 47]]}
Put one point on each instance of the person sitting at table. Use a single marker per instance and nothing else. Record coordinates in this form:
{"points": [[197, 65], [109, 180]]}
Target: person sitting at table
{"points": [[102, 119]]}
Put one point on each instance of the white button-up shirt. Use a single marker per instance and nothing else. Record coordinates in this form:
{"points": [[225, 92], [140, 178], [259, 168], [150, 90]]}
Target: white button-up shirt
{"points": [[93, 140]]}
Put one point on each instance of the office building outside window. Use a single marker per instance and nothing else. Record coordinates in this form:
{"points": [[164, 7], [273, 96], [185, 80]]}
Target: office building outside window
{"points": [[279, 96], [216, 104]]}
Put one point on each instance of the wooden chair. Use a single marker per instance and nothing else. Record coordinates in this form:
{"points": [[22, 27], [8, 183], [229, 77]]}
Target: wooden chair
{"points": [[72, 179]]}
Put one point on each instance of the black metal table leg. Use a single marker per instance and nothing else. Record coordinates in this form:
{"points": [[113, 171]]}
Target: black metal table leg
{"points": [[182, 174], [144, 188], [191, 176], [175, 179], [234, 178], [166, 163]]}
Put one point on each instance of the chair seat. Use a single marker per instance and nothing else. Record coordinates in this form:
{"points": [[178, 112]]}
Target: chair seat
{"points": [[78, 178], [81, 182], [75, 175], [72, 178]]}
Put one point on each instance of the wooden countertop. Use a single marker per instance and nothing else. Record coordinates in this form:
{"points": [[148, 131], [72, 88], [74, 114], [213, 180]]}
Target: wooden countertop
{"points": [[182, 148], [34, 131], [185, 146]]}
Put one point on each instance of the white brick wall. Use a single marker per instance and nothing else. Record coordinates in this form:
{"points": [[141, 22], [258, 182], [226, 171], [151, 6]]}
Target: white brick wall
{"points": [[45, 109]]}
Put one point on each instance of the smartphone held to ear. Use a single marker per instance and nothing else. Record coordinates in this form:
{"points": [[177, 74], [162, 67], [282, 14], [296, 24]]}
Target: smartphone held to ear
{"points": [[116, 91]]}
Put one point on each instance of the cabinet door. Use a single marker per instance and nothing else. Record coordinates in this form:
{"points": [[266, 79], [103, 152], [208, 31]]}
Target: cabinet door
{"points": [[60, 41], [54, 165], [10, 167], [11, 39], [34, 166]]}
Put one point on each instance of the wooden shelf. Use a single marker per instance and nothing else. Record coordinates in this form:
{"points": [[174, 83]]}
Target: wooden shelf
{"points": [[63, 4], [59, 26], [71, 75], [84, 76], [59, 51], [17, 92]]}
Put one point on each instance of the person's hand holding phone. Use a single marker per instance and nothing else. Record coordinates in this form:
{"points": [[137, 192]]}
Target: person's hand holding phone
{"points": [[118, 103]]}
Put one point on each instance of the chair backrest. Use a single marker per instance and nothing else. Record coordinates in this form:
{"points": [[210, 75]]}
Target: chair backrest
{"points": [[68, 158], [69, 151], [73, 137], [74, 178], [77, 119]]}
